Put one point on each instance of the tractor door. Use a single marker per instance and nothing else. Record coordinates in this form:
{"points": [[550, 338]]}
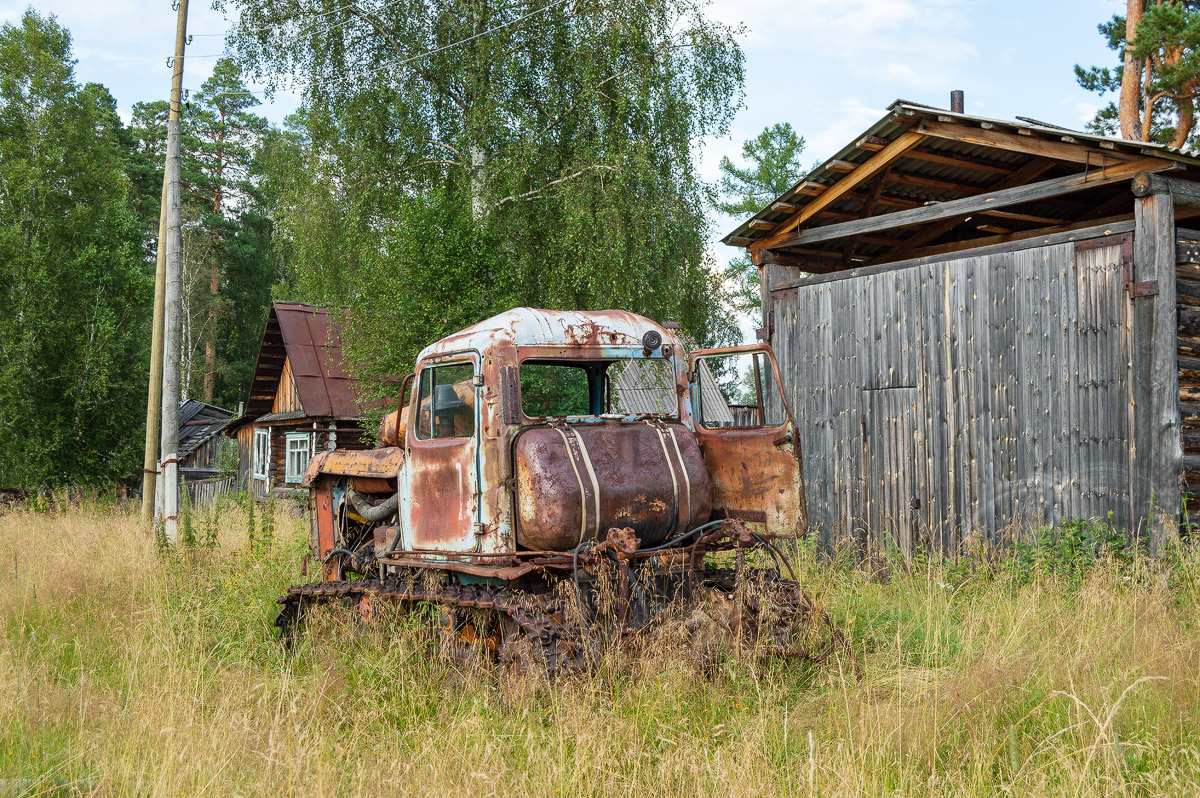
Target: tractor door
{"points": [[442, 507], [748, 438]]}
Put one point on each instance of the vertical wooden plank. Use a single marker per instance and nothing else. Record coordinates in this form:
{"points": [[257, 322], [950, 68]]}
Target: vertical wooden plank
{"points": [[982, 385], [1001, 361], [1158, 452]]}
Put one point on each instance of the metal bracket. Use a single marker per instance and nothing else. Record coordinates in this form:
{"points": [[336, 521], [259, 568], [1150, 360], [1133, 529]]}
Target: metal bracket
{"points": [[1145, 288]]}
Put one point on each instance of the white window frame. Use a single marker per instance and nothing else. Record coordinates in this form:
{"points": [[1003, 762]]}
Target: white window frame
{"points": [[260, 455], [291, 475]]}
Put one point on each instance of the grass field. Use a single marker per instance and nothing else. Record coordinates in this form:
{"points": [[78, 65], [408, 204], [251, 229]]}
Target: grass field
{"points": [[126, 672]]}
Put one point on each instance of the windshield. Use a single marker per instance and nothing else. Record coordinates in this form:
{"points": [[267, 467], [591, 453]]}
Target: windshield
{"points": [[627, 386]]}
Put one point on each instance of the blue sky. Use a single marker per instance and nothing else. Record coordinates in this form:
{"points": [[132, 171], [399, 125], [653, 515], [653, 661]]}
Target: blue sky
{"points": [[829, 67]]}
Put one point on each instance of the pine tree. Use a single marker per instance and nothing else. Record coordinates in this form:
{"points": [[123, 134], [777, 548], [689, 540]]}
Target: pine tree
{"points": [[1157, 79], [773, 167]]}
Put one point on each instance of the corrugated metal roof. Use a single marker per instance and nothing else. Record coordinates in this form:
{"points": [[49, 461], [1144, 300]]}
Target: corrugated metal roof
{"points": [[199, 421], [938, 170], [310, 339], [646, 387], [288, 415]]}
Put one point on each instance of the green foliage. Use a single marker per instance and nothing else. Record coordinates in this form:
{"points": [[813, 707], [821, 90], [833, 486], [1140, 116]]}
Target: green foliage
{"points": [[1168, 41], [266, 536], [74, 289], [772, 167], [546, 162], [209, 537], [251, 527], [187, 524]]}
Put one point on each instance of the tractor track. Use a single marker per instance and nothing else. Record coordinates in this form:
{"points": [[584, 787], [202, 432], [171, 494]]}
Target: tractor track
{"points": [[554, 636]]}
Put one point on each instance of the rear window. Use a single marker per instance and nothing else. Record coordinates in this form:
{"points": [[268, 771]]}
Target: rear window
{"points": [[629, 386], [552, 389]]}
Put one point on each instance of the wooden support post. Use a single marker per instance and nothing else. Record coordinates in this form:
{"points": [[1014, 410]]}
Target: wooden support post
{"points": [[154, 394], [169, 442], [1157, 453]]}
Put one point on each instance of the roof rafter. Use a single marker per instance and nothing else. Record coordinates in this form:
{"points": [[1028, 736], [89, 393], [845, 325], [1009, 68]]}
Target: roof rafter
{"points": [[847, 184]]}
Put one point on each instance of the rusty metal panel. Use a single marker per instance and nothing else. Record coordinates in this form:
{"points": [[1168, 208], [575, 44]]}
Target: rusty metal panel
{"points": [[371, 463], [755, 476], [323, 519], [443, 491], [575, 482]]}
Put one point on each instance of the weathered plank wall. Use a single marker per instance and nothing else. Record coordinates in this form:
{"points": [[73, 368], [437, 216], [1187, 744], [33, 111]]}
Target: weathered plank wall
{"points": [[974, 395]]}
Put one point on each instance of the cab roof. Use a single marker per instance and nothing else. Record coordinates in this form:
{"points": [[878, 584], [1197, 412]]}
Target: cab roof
{"points": [[533, 327]]}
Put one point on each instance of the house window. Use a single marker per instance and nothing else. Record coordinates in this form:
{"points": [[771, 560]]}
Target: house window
{"points": [[262, 452], [299, 449]]}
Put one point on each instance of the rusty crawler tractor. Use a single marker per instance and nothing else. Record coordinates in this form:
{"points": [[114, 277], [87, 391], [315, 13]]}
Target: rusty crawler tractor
{"points": [[539, 455]]}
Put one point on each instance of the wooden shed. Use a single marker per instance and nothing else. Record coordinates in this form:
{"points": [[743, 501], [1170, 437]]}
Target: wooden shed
{"points": [[986, 326], [301, 400]]}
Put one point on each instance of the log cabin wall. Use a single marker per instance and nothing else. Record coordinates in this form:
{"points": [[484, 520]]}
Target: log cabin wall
{"points": [[977, 396], [1187, 277]]}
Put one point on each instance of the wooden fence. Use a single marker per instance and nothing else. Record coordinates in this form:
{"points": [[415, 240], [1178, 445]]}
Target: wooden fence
{"points": [[206, 491]]}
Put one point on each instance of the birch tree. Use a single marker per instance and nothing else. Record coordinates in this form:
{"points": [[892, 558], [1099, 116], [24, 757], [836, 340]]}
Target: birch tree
{"points": [[454, 158]]}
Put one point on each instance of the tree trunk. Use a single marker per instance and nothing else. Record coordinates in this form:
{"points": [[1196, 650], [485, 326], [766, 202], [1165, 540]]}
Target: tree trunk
{"points": [[1187, 120], [210, 349], [1129, 106], [214, 285], [478, 183]]}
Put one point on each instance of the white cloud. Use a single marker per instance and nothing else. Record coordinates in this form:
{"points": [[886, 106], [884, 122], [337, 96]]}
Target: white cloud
{"points": [[863, 39]]}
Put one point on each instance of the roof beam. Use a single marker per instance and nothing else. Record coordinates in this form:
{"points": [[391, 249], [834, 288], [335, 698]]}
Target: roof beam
{"points": [[1062, 151], [1030, 171], [931, 182], [864, 172], [981, 202]]}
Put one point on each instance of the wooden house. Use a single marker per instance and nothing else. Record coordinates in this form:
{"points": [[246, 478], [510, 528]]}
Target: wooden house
{"points": [[301, 400], [200, 441], [203, 450], [985, 326]]}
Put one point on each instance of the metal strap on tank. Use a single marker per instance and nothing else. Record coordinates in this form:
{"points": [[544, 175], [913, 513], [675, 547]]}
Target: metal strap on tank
{"points": [[579, 452], [662, 428], [687, 481]]}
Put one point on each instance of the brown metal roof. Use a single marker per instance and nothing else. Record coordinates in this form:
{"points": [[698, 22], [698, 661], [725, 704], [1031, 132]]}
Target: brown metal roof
{"points": [[959, 155], [310, 339]]}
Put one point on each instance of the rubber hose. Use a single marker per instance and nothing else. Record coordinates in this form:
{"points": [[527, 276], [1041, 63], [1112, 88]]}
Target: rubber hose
{"points": [[370, 512]]}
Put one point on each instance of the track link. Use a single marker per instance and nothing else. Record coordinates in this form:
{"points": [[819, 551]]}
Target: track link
{"points": [[540, 619]]}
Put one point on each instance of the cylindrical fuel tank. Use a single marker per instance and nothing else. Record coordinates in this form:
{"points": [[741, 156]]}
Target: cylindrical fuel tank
{"points": [[575, 481]]}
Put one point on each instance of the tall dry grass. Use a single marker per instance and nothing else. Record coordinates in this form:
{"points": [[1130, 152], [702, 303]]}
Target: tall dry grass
{"points": [[122, 672]]}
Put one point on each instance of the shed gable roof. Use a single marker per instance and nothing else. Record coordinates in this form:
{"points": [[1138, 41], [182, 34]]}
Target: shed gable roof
{"points": [[917, 156], [310, 339]]}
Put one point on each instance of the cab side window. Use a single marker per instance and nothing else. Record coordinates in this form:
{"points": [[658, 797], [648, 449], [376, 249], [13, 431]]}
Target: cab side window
{"points": [[446, 401], [737, 390]]}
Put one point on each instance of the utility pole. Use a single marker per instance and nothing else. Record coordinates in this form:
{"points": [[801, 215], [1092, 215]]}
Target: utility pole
{"points": [[169, 445], [154, 397]]}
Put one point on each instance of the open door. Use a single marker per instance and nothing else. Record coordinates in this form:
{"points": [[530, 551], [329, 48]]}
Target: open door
{"points": [[748, 438]]}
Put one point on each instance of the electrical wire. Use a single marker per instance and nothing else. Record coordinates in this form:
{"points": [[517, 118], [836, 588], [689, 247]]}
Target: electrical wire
{"points": [[410, 59]]}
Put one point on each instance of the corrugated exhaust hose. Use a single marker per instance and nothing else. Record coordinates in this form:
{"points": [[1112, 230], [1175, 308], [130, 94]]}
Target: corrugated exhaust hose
{"points": [[370, 512]]}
